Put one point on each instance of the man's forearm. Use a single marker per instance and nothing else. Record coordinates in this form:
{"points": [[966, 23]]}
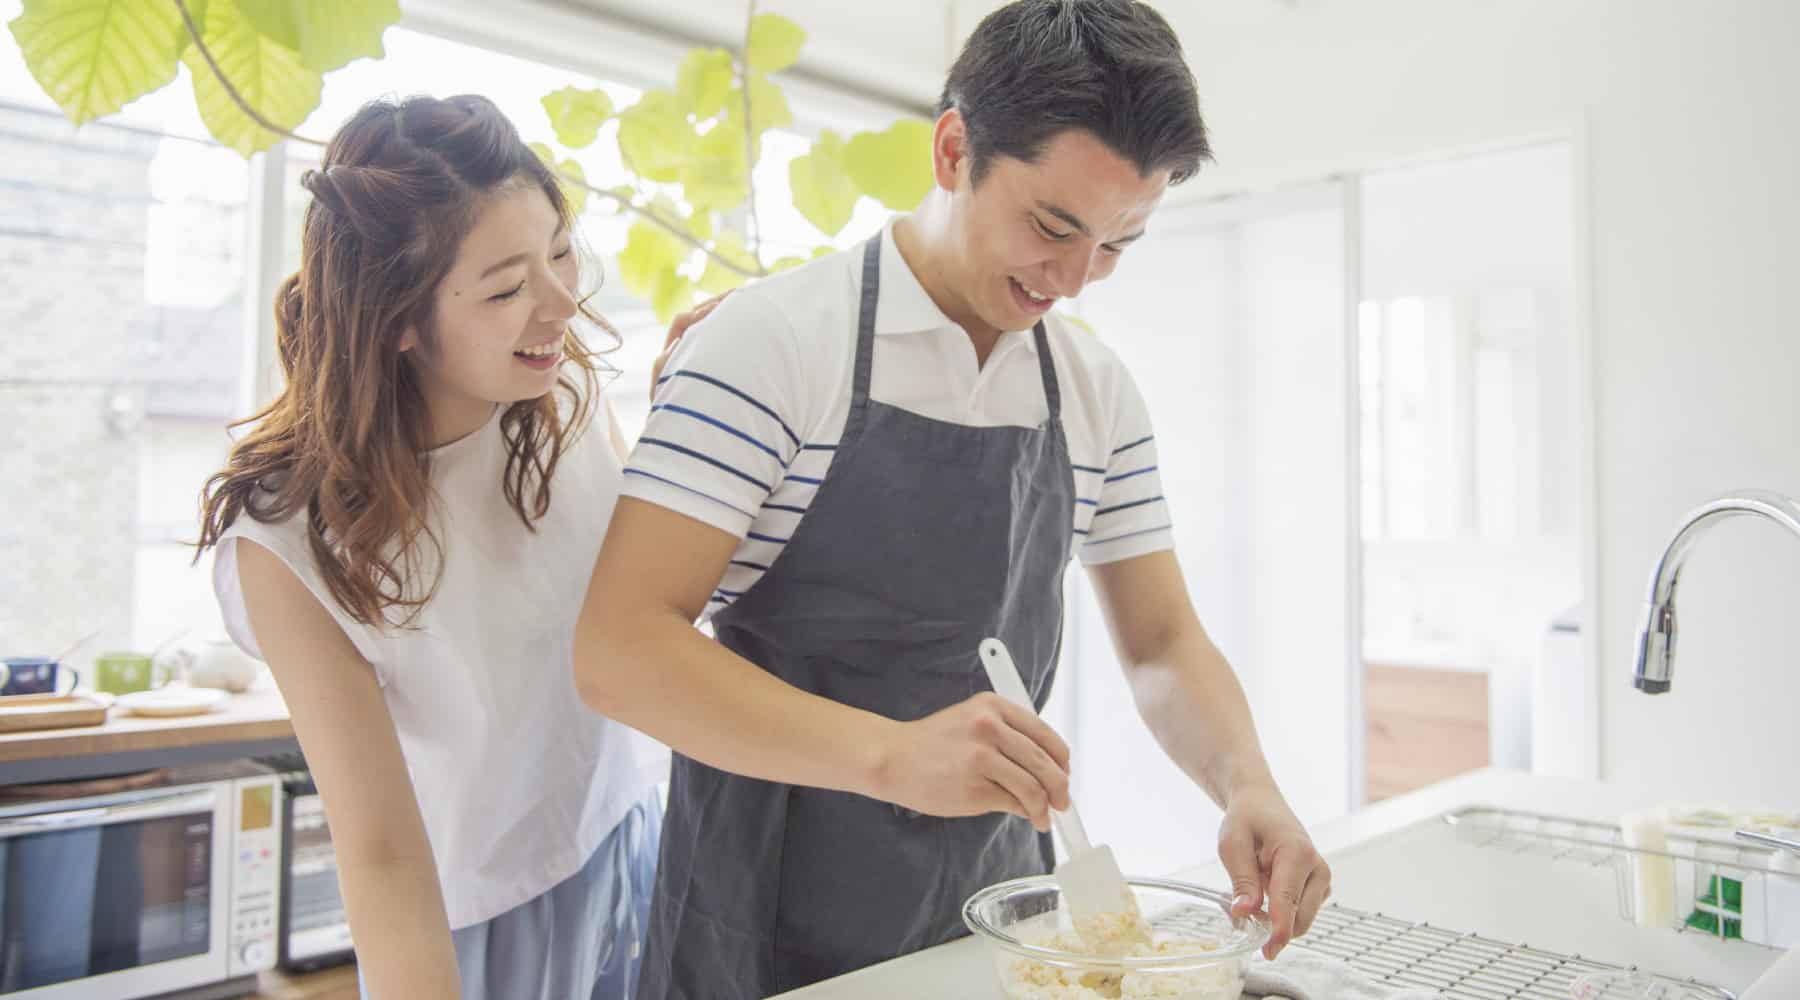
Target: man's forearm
{"points": [[661, 676], [1193, 704]]}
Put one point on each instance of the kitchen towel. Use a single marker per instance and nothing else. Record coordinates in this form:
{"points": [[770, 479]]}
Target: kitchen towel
{"points": [[1298, 974]]}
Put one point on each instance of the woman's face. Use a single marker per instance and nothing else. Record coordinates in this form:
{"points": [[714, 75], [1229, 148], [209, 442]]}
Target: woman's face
{"points": [[501, 313]]}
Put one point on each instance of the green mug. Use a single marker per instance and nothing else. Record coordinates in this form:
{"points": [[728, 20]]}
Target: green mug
{"points": [[123, 673]]}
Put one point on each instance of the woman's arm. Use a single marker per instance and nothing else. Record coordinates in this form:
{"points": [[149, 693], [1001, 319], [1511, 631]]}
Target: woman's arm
{"points": [[385, 866]]}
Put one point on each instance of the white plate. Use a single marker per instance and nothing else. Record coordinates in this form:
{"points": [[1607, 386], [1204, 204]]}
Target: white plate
{"points": [[172, 701]]}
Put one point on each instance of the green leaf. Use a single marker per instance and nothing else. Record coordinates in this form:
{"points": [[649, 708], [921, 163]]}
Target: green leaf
{"points": [[269, 77], [716, 178], [649, 254], [276, 20], [674, 295], [577, 114], [648, 267], [624, 195], [892, 166], [93, 57], [774, 43], [335, 32], [704, 81], [768, 105], [573, 181], [569, 176], [768, 109], [784, 263], [655, 138], [197, 10], [700, 226], [718, 278], [823, 191]]}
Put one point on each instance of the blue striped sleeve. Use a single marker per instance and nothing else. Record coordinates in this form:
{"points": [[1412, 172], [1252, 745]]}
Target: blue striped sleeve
{"points": [[725, 425], [1129, 515]]}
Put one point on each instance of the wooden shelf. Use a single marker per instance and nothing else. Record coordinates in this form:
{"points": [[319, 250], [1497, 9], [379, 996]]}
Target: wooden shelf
{"points": [[255, 722], [338, 983], [1424, 726]]}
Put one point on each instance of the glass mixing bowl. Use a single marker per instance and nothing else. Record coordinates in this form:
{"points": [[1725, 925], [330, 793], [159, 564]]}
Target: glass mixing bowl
{"points": [[1199, 951]]}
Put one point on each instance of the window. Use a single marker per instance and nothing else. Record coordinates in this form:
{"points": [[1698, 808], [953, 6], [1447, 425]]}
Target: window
{"points": [[128, 343], [421, 63], [123, 357]]}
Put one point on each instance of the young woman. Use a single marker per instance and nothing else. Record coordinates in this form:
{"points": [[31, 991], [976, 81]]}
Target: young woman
{"points": [[405, 536]]}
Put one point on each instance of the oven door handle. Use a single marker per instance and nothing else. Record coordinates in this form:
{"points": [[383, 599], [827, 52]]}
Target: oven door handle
{"points": [[123, 812]]}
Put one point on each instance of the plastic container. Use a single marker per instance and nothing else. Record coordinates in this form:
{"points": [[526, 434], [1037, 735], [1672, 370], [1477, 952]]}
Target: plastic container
{"points": [[1200, 951]]}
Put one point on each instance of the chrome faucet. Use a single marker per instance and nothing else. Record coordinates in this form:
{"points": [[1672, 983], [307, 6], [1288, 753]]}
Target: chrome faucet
{"points": [[1656, 642]]}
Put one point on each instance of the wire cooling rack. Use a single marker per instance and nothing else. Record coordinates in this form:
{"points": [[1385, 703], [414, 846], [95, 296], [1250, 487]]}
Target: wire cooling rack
{"points": [[1419, 956]]}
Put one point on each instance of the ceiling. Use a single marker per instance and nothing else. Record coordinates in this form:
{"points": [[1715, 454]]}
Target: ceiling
{"points": [[897, 52]]}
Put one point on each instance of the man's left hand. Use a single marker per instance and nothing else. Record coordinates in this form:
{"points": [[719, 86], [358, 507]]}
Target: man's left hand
{"points": [[1271, 859]]}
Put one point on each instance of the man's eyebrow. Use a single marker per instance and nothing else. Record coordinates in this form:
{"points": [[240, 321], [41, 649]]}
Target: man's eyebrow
{"points": [[1067, 216], [1081, 227]]}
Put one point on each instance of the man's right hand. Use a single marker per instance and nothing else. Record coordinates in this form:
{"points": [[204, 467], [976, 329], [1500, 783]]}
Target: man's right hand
{"points": [[980, 756]]}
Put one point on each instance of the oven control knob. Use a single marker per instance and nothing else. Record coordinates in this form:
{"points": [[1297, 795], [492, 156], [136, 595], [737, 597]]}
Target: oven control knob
{"points": [[255, 954]]}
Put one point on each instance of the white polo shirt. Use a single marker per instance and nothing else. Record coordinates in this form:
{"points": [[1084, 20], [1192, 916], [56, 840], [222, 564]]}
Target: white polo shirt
{"points": [[749, 411]]}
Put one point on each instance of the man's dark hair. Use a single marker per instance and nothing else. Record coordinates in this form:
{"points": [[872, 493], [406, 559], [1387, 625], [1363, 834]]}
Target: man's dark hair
{"points": [[1036, 68]]}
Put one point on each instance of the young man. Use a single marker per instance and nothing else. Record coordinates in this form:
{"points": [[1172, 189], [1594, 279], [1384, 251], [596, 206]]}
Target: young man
{"points": [[860, 469]]}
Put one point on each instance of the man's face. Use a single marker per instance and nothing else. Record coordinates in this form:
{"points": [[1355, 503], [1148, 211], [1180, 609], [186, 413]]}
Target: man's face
{"points": [[1031, 233]]}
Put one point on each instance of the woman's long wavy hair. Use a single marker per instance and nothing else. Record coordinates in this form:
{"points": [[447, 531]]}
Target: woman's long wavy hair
{"points": [[345, 443]]}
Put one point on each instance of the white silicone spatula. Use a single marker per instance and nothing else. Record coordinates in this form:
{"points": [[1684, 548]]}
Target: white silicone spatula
{"points": [[1089, 877]]}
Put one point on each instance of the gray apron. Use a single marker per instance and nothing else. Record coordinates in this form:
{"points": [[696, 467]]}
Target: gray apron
{"points": [[925, 538]]}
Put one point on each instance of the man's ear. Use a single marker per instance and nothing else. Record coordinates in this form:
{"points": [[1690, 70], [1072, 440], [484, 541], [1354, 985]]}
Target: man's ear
{"points": [[949, 149]]}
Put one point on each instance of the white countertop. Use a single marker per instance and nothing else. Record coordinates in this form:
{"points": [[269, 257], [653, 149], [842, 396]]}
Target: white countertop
{"points": [[1376, 869]]}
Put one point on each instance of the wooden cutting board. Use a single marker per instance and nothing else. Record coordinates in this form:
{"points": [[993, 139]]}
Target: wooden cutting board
{"points": [[26, 712]]}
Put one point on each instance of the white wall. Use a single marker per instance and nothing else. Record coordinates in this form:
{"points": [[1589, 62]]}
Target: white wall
{"points": [[1686, 112], [1187, 365], [1298, 666], [1231, 321]]}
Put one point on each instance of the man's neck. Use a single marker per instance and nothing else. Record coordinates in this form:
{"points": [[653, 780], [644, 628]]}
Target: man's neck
{"points": [[923, 241]]}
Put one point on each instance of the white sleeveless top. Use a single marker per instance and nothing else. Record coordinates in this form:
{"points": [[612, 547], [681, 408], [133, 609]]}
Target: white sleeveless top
{"points": [[517, 779]]}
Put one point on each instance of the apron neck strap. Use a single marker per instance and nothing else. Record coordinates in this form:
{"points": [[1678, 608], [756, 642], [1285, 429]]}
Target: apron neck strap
{"points": [[1047, 367], [865, 339], [865, 324]]}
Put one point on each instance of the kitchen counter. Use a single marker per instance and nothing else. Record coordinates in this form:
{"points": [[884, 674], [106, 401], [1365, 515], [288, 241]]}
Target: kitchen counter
{"points": [[248, 724], [1368, 878]]}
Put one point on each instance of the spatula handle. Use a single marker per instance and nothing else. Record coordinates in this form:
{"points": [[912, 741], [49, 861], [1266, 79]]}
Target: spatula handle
{"points": [[1003, 674]]}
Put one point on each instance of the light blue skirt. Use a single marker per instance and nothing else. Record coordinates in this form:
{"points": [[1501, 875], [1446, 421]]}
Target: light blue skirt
{"points": [[582, 940]]}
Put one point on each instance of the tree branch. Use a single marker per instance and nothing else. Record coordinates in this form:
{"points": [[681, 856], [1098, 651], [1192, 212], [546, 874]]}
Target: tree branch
{"points": [[256, 116], [673, 227], [755, 225]]}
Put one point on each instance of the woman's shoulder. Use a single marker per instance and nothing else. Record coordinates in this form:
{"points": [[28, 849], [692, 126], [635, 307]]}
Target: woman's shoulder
{"points": [[264, 521]]}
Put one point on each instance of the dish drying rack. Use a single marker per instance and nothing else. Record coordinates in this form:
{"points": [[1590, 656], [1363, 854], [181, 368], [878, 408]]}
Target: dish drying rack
{"points": [[1722, 888], [1458, 966]]}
